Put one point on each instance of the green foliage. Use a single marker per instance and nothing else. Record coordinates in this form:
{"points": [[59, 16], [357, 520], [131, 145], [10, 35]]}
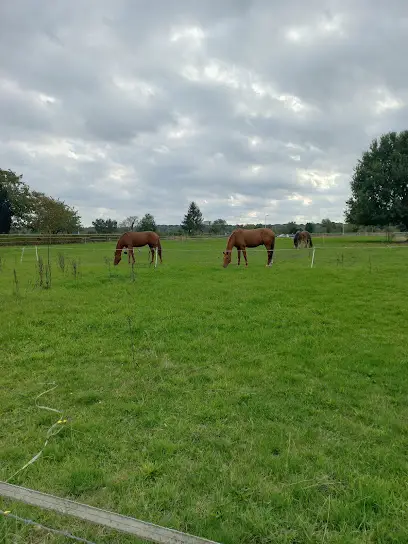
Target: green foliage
{"points": [[34, 210], [328, 225], [147, 223], [310, 227], [5, 211], [193, 220], [19, 196], [105, 226], [291, 227], [218, 226], [379, 185], [52, 216]]}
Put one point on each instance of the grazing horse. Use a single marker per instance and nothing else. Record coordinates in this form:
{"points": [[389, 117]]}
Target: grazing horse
{"points": [[243, 238], [137, 239], [302, 237]]}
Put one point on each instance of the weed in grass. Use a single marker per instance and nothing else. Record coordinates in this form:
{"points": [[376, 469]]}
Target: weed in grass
{"points": [[75, 268], [44, 273], [40, 269], [48, 276], [61, 262], [16, 282], [108, 264]]}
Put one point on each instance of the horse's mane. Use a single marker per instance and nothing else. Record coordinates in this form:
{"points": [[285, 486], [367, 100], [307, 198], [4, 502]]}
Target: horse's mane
{"points": [[231, 237]]}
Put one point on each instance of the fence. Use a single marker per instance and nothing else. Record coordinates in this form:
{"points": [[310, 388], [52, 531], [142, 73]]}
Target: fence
{"points": [[55, 239], [125, 524]]}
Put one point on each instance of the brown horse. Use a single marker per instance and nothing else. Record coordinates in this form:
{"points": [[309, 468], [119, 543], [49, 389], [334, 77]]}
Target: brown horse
{"points": [[243, 238], [302, 237], [130, 240]]}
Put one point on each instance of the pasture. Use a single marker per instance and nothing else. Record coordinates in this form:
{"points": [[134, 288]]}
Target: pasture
{"points": [[252, 405]]}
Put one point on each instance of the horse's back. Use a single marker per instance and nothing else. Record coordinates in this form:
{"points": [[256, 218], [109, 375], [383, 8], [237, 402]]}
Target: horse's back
{"points": [[254, 237], [143, 238]]}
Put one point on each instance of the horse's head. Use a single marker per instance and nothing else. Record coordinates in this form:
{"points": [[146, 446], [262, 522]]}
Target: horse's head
{"points": [[118, 256], [227, 258]]}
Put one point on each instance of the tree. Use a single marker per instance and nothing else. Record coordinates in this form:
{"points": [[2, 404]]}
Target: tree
{"points": [[105, 226], [379, 184], [5, 212], [52, 216], [218, 226], [147, 223], [19, 196], [328, 225], [310, 227], [291, 227], [193, 220], [130, 223]]}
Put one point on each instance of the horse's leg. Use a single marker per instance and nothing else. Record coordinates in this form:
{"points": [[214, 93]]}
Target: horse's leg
{"points": [[239, 257], [270, 255], [152, 255], [245, 256], [131, 253]]}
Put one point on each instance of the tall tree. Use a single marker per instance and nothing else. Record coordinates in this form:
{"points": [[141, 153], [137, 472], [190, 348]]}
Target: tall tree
{"points": [[328, 225], [147, 223], [105, 226], [5, 212], [310, 227], [130, 223], [379, 184], [291, 227], [52, 216], [19, 196], [218, 226], [193, 220]]}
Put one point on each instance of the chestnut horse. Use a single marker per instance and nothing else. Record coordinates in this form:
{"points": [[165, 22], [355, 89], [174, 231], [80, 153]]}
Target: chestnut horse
{"points": [[302, 237], [130, 240], [243, 238]]}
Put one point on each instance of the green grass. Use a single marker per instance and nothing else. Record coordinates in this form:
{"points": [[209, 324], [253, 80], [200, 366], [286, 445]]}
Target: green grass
{"points": [[242, 405]]}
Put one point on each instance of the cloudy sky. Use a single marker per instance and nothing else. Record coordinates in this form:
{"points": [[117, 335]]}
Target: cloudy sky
{"points": [[249, 107]]}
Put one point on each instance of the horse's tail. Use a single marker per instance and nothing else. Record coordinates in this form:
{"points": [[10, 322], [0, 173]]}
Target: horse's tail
{"points": [[159, 249], [310, 241]]}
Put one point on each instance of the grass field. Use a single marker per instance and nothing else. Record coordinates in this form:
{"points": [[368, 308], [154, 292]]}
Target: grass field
{"points": [[242, 405]]}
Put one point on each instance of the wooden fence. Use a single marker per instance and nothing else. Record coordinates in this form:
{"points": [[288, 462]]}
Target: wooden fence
{"points": [[125, 524], [53, 239]]}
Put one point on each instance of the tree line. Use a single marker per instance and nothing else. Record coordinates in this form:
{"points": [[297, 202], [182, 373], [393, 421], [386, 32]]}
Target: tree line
{"points": [[23, 209], [193, 224], [379, 198]]}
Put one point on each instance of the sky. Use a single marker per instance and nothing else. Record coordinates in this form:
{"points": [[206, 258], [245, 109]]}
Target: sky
{"points": [[254, 109]]}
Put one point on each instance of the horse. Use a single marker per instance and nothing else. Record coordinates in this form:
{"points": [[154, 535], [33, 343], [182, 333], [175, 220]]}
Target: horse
{"points": [[302, 237], [130, 240], [243, 238]]}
